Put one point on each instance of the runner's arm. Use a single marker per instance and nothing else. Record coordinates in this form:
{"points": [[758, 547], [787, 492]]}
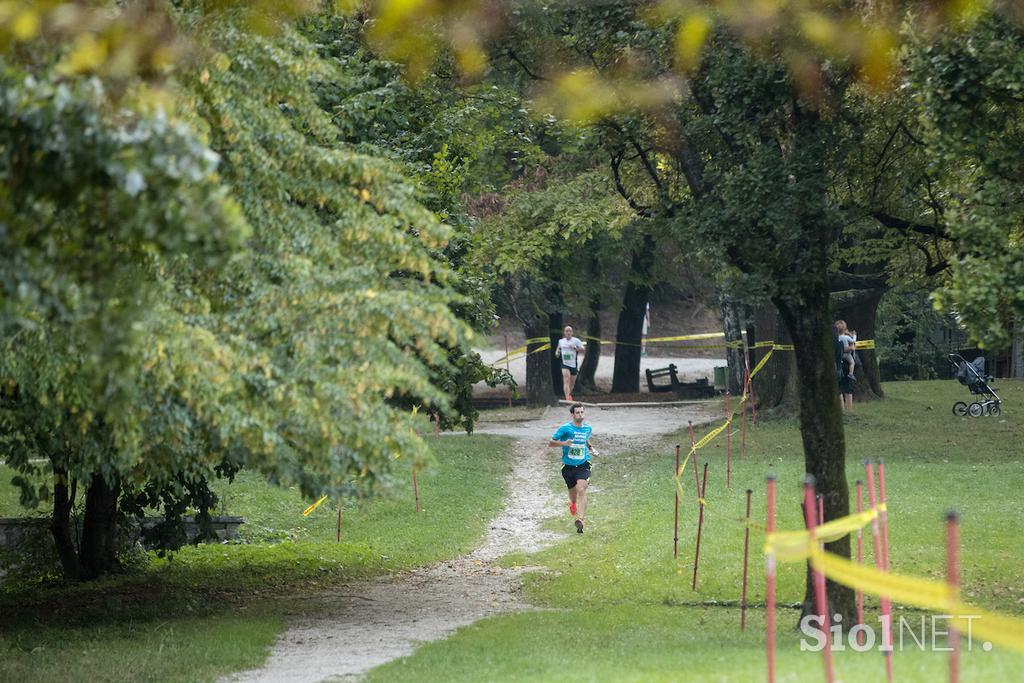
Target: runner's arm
{"points": [[556, 439]]}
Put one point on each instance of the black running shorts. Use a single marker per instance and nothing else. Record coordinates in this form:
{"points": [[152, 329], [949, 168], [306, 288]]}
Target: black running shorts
{"points": [[572, 370], [573, 473]]}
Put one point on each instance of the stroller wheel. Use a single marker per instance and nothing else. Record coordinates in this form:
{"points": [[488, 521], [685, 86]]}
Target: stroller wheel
{"points": [[960, 409], [975, 410], [994, 410]]}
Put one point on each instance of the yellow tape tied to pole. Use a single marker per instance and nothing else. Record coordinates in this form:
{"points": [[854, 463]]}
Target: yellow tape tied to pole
{"points": [[927, 594], [522, 351]]}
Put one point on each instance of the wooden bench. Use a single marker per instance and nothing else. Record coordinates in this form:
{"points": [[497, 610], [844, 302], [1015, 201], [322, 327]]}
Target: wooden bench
{"points": [[669, 372]]}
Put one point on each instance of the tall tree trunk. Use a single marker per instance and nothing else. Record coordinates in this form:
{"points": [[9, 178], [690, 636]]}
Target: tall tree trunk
{"points": [[859, 308], [554, 334], [732, 325], [629, 330], [60, 526], [98, 553], [776, 385], [586, 382], [821, 426], [538, 363]]}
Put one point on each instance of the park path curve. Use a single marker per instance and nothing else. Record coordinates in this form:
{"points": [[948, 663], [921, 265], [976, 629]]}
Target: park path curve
{"points": [[339, 635]]}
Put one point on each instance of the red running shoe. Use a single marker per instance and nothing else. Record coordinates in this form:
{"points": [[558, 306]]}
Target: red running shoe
{"points": [[572, 509], [568, 397]]}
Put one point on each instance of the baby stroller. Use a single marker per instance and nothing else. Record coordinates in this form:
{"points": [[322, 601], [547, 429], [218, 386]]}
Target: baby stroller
{"points": [[972, 375]]}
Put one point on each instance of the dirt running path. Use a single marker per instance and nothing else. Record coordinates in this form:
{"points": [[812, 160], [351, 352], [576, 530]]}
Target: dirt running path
{"points": [[340, 635]]}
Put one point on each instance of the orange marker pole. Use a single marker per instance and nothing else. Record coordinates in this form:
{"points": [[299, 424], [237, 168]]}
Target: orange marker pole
{"points": [[885, 603], [860, 560], [746, 551], [883, 523], [675, 527], [746, 402], [753, 399], [953, 578], [728, 431], [728, 428], [883, 517], [821, 514], [818, 579], [415, 488], [693, 454], [700, 524]]}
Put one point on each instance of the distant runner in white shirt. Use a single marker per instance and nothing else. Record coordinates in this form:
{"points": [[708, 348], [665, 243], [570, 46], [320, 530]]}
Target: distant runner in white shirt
{"points": [[570, 350]]}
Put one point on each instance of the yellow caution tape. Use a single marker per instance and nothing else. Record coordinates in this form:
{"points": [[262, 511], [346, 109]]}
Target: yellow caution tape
{"points": [[312, 507], [793, 546], [928, 594], [771, 345]]}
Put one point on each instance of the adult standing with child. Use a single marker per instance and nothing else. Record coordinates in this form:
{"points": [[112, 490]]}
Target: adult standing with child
{"points": [[846, 344]]}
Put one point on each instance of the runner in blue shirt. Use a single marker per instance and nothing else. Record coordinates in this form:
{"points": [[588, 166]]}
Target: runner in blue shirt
{"points": [[574, 438]]}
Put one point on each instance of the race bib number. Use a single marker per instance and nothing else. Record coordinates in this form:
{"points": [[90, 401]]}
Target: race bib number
{"points": [[566, 356], [577, 452]]}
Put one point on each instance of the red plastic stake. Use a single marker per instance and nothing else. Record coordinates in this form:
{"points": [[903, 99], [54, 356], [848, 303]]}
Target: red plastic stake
{"points": [[953, 578], [728, 459], [675, 527], [886, 604], [860, 560], [700, 524], [821, 515], [339, 523], [746, 403], [728, 435], [883, 517], [820, 599], [746, 550], [693, 455], [769, 579], [753, 399], [415, 488], [508, 369]]}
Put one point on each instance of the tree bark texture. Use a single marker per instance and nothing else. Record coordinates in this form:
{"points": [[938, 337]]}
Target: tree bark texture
{"points": [[60, 526], [538, 363], [629, 330], [554, 334], [860, 311], [98, 553], [732, 325], [821, 424], [586, 382], [776, 385]]}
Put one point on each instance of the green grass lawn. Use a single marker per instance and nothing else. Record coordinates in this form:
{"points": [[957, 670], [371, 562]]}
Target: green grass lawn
{"points": [[626, 610], [621, 609], [213, 609]]}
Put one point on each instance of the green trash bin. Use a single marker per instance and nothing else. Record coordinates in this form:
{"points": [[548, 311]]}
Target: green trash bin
{"points": [[721, 377]]}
